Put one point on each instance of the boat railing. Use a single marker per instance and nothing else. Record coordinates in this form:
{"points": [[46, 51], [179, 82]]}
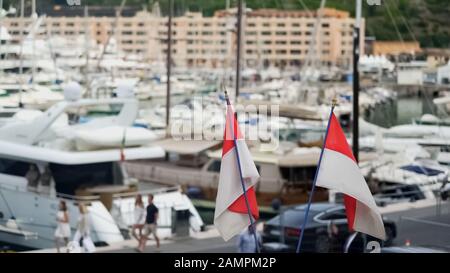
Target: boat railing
{"points": [[146, 192], [89, 198], [80, 198]]}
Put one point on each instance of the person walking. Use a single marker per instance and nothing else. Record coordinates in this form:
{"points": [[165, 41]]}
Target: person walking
{"points": [[83, 230], [150, 224], [246, 241], [139, 217], [62, 231]]}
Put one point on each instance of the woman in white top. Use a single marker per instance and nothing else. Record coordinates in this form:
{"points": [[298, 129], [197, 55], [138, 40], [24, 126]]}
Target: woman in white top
{"points": [[63, 227], [83, 230], [139, 217]]}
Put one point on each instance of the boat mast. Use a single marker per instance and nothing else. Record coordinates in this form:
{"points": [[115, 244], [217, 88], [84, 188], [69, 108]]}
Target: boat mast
{"points": [[169, 65], [21, 52], [86, 41], [238, 48], [1, 28], [113, 28], [35, 17], [356, 52]]}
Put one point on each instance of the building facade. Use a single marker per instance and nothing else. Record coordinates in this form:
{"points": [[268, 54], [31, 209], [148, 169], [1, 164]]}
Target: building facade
{"points": [[270, 37]]}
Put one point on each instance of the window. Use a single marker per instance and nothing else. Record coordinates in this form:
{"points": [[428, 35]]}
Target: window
{"points": [[296, 52], [334, 215], [68, 177], [281, 25], [214, 166], [280, 42], [266, 33], [296, 33], [295, 25], [296, 42], [12, 167], [282, 33]]}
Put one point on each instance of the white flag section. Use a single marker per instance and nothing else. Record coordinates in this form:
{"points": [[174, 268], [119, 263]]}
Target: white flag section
{"points": [[340, 172], [231, 215]]}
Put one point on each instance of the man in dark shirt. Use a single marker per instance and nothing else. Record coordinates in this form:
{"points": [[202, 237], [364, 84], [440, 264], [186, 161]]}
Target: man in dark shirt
{"points": [[150, 224]]}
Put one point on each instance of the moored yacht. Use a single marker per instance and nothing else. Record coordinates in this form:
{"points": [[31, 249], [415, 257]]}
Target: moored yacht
{"points": [[58, 155]]}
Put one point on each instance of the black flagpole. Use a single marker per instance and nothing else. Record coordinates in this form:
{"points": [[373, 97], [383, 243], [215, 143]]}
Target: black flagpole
{"points": [[356, 52]]}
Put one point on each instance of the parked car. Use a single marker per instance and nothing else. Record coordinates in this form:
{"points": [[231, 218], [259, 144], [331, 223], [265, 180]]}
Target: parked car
{"points": [[326, 229]]}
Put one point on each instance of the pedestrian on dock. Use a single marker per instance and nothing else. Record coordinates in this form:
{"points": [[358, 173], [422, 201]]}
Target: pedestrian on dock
{"points": [[139, 217], [82, 235], [150, 224], [246, 240], [62, 231]]}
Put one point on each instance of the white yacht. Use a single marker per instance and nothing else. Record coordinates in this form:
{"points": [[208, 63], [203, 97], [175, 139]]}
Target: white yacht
{"points": [[54, 155]]}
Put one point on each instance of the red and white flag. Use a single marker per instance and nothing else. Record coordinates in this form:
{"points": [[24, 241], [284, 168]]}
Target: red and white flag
{"points": [[339, 171], [231, 216]]}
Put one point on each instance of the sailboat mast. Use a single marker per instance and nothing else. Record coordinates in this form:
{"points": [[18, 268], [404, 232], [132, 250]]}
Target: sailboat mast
{"points": [[22, 4], [86, 41], [356, 52], [169, 64], [238, 48]]}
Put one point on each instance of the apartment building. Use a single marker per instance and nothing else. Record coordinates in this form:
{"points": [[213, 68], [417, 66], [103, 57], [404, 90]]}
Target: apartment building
{"points": [[270, 37]]}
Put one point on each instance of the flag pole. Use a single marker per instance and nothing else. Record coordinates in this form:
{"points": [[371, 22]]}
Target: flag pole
{"points": [[253, 229], [334, 103]]}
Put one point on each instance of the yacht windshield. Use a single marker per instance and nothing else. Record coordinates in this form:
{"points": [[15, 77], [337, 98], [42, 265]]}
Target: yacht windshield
{"points": [[68, 178]]}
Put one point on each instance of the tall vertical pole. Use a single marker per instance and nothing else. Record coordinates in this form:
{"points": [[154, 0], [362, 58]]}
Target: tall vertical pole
{"points": [[22, 11], [169, 64], [1, 9], [86, 50], [238, 48], [356, 52]]}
